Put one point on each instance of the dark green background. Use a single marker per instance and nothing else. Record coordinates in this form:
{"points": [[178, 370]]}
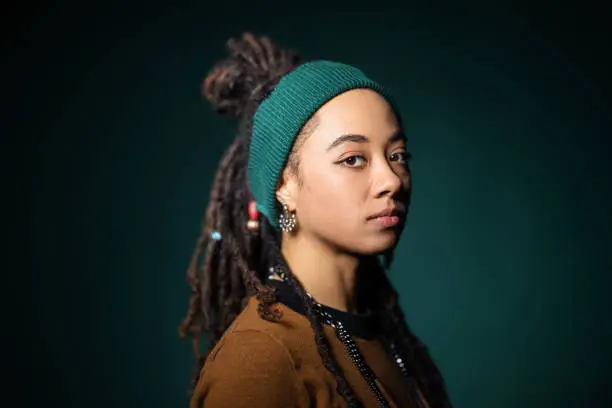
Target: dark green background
{"points": [[504, 268]]}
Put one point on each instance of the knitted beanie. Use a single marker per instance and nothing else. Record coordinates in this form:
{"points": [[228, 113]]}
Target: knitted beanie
{"points": [[281, 116]]}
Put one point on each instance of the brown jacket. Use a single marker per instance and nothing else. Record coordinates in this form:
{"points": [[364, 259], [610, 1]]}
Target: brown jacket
{"points": [[258, 363]]}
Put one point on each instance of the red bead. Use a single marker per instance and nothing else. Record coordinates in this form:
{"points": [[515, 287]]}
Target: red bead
{"points": [[253, 213]]}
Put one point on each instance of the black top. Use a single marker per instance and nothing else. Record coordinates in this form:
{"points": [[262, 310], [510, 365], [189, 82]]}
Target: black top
{"points": [[359, 325]]}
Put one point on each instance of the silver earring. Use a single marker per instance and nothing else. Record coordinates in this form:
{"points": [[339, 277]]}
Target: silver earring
{"points": [[287, 220]]}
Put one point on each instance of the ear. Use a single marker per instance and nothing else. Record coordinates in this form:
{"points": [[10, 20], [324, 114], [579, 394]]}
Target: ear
{"points": [[287, 190]]}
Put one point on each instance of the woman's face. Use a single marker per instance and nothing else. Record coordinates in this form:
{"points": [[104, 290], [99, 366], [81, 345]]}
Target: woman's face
{"points": [[352, 166]]}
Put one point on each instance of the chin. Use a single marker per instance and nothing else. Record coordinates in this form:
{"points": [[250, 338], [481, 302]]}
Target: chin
{"points": [[379, 244]]}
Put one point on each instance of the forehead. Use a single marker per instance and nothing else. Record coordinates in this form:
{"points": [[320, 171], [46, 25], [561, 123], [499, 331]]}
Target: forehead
{"points": [[359, 111]]}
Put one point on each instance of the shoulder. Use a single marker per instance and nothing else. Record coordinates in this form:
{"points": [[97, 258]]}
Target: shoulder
{"points": [[249, 333], [244, 345], [248, 367], [290, 328]]}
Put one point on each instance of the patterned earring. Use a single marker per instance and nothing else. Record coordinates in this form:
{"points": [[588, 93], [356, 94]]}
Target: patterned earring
{"points": [[287, 220]]}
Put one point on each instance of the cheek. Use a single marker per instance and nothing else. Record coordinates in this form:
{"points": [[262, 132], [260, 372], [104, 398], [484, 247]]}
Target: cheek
{"points": [[333, 200]]}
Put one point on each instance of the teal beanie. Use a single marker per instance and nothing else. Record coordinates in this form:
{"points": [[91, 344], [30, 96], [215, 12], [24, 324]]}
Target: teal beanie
{"points": [[281, 116]]}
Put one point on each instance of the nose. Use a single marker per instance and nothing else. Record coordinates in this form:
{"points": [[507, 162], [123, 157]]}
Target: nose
{"points": [[387, 181]]}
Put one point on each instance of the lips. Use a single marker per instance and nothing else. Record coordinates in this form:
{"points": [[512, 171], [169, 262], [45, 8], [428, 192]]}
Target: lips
{"points": [[387, 221], [387, 212], [389, 217]]}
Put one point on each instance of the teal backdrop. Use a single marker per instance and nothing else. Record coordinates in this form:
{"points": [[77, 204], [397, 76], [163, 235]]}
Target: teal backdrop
{"points": [[504, 269]]}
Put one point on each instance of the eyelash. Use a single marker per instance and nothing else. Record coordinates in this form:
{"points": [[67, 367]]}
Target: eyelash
{"points": [[407, 157]]}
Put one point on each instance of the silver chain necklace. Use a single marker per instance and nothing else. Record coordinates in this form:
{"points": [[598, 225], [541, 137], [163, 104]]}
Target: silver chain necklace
{"points": [[351, 347]]}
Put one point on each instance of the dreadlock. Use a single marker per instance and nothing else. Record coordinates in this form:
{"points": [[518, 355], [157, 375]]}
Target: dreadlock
{"points": [[224, 274]]}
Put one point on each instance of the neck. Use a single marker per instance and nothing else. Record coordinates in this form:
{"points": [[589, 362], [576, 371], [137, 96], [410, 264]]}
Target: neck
{"points": [[329, 276]]}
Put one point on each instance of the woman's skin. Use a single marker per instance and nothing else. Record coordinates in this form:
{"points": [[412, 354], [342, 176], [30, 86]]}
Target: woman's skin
{"points": [[352, 165]]}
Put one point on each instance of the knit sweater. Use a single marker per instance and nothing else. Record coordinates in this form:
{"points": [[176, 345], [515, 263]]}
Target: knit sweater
{"points": [[258, 363]]}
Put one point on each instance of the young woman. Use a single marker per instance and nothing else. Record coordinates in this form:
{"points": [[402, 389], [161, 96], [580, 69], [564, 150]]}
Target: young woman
{"points": [[288, 277]]}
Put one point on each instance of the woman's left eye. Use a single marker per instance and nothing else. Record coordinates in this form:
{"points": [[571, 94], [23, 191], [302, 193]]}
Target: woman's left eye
{"points": [[402, 157]]}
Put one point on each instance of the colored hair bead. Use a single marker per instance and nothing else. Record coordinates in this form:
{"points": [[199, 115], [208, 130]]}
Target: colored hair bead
{"points": [[253, 212], [215, 235], [253, 222]]}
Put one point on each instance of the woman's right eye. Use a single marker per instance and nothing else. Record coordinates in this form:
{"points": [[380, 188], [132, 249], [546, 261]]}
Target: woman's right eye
{"points": [[354, 161]]}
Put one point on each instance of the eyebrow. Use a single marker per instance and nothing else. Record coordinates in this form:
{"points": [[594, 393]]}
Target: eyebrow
{"points": [[397, 136]]}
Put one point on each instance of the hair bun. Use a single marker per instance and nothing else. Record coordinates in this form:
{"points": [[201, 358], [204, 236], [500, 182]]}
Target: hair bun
{"points": [[254, 64]]}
